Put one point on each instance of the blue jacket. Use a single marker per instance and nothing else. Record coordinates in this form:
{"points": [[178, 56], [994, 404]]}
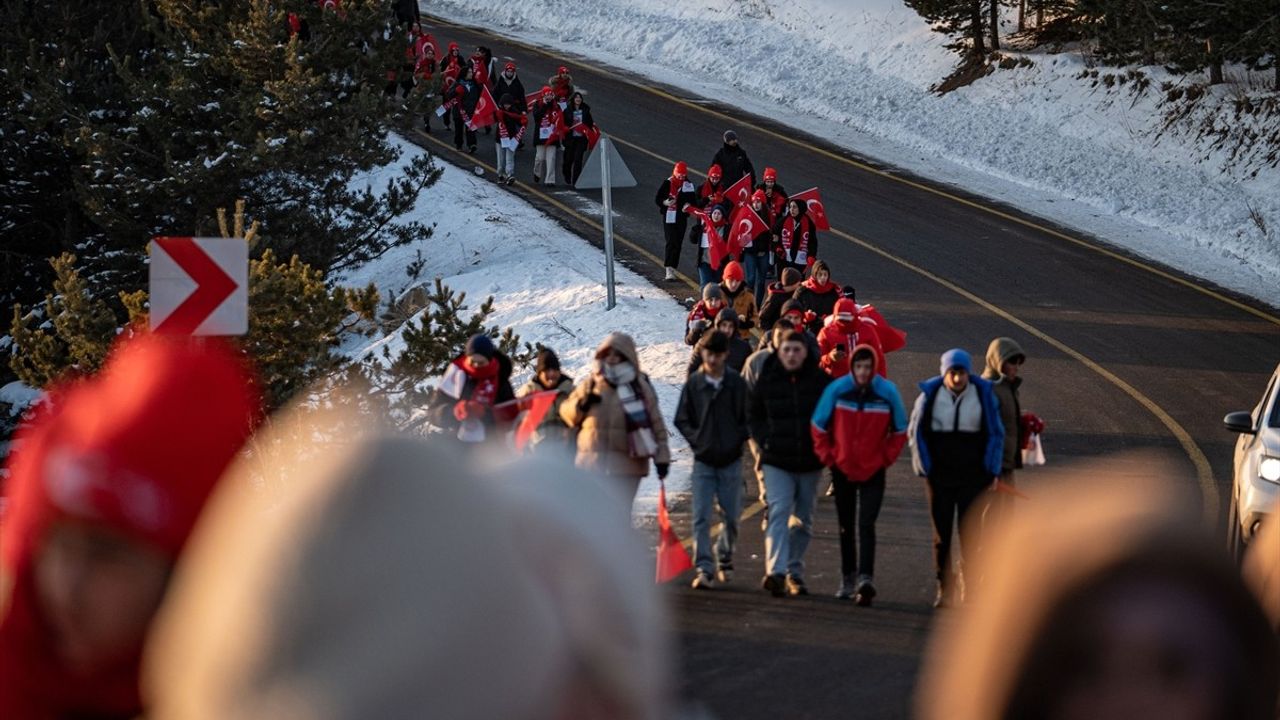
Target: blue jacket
{"points": [[993, 456]]}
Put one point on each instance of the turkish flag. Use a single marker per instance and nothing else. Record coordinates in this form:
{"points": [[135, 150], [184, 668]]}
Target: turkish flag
{"points": [[486, 110], [592, 133], [673, 559], [817, 210], [424, 41], [531, 99], [891, 338], [744, 226], [739, 193], [717, 248], [535, 407]]}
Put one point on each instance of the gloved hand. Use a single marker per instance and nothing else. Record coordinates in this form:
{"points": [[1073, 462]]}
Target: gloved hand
{"points": [[468, 410], [810, 317], [663, 469]]}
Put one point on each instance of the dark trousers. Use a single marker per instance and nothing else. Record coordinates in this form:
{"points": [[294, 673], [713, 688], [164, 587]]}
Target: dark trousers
{"points": [[945, 504], [575, 151], [460, 129], [848, 493], [674, 234]]}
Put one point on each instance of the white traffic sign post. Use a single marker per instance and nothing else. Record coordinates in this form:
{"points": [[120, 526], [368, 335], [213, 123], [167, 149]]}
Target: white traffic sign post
{"points": [[613, 172], [199, 286]]}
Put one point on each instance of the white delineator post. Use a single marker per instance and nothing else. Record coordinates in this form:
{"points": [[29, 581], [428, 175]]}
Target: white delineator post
{"points": [[606, 193]]}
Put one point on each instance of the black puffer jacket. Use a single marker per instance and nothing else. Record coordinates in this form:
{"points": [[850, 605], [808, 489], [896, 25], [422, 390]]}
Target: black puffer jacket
{"points": [[734, 163], [515, 89], [780, 410]]}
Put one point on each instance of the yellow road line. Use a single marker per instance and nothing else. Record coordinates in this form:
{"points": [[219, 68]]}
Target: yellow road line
{"points": [[715, 529], [891, 176], [1204, 472]]}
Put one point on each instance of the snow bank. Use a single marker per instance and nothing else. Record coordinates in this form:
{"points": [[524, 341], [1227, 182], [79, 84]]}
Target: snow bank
{"points": [[858, 72], [547, 284]]}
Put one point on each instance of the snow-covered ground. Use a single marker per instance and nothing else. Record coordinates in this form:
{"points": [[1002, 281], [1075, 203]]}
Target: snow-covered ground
{"points": [[547, 284], [858, 72]]}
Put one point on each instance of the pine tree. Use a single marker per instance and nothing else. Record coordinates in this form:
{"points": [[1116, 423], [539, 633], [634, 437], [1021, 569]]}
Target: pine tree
{"points": [[962, 20]]}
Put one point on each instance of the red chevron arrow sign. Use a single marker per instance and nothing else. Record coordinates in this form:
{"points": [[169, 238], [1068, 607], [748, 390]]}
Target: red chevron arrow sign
{"points": [[199, 286]]}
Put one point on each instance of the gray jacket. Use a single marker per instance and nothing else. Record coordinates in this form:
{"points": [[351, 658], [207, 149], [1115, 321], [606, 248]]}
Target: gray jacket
{"points": [[714, 421]]}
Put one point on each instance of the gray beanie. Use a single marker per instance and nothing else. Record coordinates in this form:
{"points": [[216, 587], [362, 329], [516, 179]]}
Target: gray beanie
{"points": [[712, 290]]}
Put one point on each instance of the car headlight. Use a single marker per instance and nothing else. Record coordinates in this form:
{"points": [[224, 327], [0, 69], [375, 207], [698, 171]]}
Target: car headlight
{"points": [[1269, 469]]}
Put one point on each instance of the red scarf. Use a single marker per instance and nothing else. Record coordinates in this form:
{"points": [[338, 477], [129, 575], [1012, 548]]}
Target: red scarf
{"points": [[822, 289], [484, 381], [713, 193], [503, 117], [717, 246], [790, 231], [673, 189]]}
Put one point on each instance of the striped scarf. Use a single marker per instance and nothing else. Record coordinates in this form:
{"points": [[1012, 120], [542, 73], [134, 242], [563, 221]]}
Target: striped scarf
{"points": [[640, 440]]}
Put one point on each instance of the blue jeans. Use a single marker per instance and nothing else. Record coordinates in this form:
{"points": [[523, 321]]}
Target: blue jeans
{"points": [[706, 274], [712, 484], [757, 268], [789, 493]]}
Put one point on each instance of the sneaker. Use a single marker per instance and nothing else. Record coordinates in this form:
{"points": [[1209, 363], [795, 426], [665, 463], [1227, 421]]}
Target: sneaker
{"points": [[846, 590], [511, 179], [865, 593], [671, 274], [775, 584], [796, 586], [471, 149], [501, 178], [702, 581], [831, 489], [536, 179], [724, 573]]}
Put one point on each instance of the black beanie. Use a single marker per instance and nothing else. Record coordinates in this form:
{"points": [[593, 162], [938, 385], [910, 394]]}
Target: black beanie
{"points": [[481, 345], [547, 360]]}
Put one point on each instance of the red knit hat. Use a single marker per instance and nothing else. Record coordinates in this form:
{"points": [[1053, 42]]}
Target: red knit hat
{"points": [[546, 90], [770, 174], [714, 171], [759, 196], [511, 65], [562, 70], [680, 170], [734, 271], [845, 310]]}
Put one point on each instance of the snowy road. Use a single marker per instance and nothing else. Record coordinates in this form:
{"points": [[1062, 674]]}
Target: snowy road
{"points": [[1122, 356]]}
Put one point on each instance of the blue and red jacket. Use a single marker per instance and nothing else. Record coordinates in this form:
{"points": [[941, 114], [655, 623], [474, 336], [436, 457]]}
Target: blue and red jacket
{"points": [[860, 430]]}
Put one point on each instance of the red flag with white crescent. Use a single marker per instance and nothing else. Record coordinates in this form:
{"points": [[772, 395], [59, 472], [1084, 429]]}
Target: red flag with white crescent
{"points": [[739, 193], [535, 407], [673, 559], [744, 226], [817, 210], [592, 134], [486, 110]]}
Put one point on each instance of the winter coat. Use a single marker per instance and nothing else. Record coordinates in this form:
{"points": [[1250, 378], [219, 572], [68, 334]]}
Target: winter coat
{"points": [[685, 195], [921, 436], [469, 96], [552, 427], [549, 118], [801, 234], [514, 88], [721, 231], [734, 163], [587, 120], [602, 426], [561, 85], [780, 413], [714, 420], [739, 351], [860, 430], [820, 300], [447, 410], [744, 304], [700, 312], [709, 194], [837, 333], [511, 123], [775, 297], [1006, 391]]}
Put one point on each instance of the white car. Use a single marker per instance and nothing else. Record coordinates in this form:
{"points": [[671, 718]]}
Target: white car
{"points": [[1255, 489]]}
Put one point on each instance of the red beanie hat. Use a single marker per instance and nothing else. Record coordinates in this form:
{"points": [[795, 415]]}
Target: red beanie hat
{"points": [[770, 174], [680, 170], [546, 90], [759, 196], [845, 310], [734, 271], [714, 171], [511, 65]]}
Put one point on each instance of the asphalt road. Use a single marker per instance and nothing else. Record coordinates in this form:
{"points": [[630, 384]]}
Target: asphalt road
{"points": [[1123, 355]]}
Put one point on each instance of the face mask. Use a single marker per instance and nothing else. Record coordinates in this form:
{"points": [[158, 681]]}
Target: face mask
{"points": [[620, 374]]}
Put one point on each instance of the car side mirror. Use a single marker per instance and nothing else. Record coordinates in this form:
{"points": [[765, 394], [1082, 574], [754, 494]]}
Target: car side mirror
{"points": [[1239, 422]]}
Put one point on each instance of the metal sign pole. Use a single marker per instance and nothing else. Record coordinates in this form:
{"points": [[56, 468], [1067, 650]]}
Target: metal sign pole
{"points": [[607, 196]]}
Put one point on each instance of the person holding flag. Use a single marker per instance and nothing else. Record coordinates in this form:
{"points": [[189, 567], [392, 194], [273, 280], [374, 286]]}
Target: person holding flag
{"points": [[795, 238], [548, 123], [511, 126], [775, 197], [859, 429], [542, 396], [467, 93], [562, 85], [712, 417], [712, 191], [576, 142], [452, 63], [712, 237], [675, 195], [751, 233], [473, 398], [508, 83]]}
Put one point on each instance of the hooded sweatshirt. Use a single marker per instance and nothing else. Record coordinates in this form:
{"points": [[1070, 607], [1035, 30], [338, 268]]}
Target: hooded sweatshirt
{"points": [[601, 421], [343, 601], [860, 429], [135, 450], [1006, 391]]}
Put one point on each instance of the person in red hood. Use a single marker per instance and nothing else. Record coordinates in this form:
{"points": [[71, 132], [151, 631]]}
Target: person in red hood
{"points": [[562, 84], [817, 295], [453, 62], [795, 237], [106, 483], [774, 193], [845, 328], [475, 394], [712, 190]]}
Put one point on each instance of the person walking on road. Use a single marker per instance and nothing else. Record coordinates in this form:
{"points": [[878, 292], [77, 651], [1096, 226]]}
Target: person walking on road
{"points": [[957, 444], [780, 291], [562, 85], [704, 313], [859, 429], [818, 295], [674, 195], [782, 402], [616, 415], [1004, 363], [733, 160], [795, 238], [756, 256], [738, 349], [711, 192], [471, 400], [712, 417], [774, 194], [467, 92], [548, 124], [577, 115], [739, 297], [714, 229], [511, 126]]}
